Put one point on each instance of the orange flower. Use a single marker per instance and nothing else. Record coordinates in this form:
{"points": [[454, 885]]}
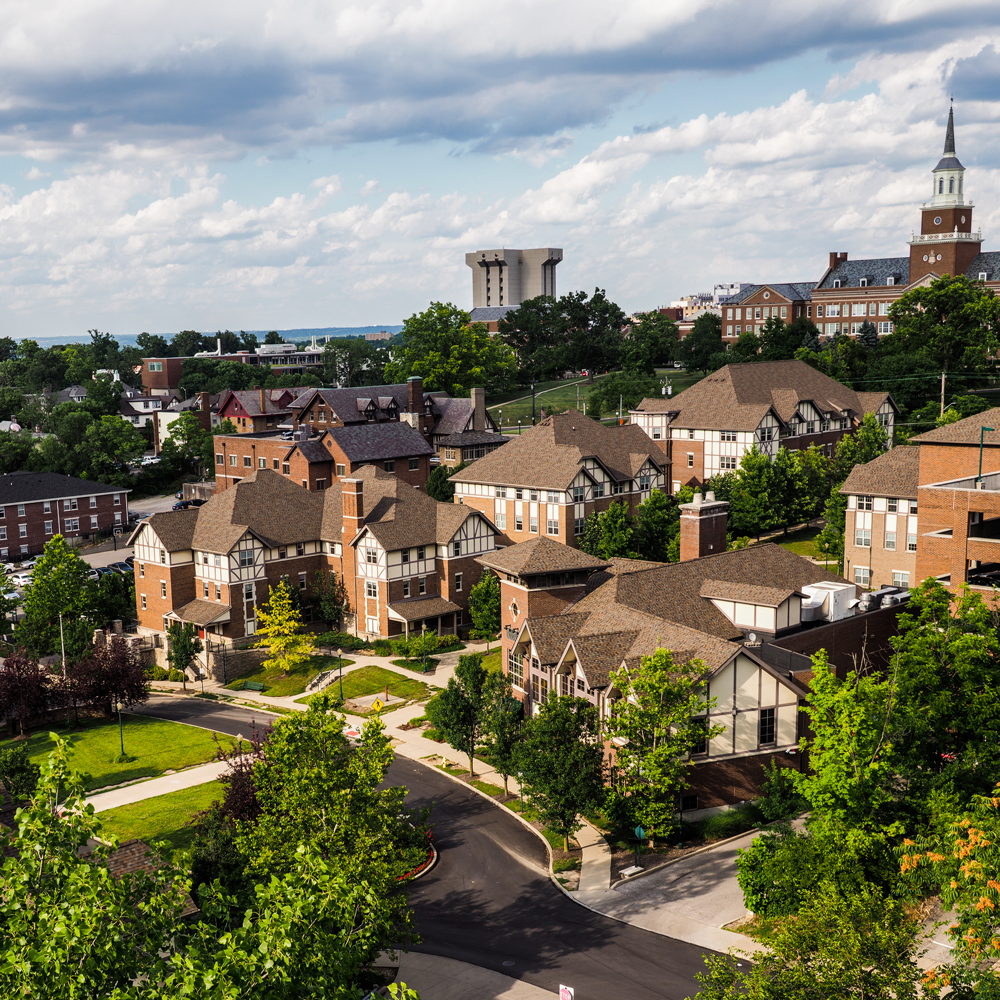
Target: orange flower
{"points": [[985, 903], [935, 857]]}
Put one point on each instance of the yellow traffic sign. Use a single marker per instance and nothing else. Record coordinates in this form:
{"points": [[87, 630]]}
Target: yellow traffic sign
{"points": [[378, 705]]}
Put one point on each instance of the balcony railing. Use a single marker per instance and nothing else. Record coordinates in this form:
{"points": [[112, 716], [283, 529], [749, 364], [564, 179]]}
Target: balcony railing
{"points": [[946, 237]]}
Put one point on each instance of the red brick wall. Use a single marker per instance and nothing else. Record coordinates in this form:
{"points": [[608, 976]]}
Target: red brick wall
{"points": [[35, 517], [735, 779]]}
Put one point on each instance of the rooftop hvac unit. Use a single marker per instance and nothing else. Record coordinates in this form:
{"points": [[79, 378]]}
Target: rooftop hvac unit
{"points": [[877, 598], [828, 601]]}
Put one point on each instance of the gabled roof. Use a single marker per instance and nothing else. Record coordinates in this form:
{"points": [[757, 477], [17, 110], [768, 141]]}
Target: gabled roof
{"points": [[345, 402], [540, 555], [199, 612], [423, 607], [174, 528], [794, 291], [489, 314], [988, 262], [747, 593], [376, 442], [466, 439], [29, 487], [277, 400], [964, 431], [737, 397], [551, 454], [894, 474], [876, 269]]}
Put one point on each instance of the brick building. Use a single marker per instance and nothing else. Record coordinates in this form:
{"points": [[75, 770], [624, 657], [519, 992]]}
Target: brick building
{"points": [[708, 428], [880, 532], [407, 561], [549, 479], [570, 620], [256, 410], [753, 305], [318, 462], [35, 506]]}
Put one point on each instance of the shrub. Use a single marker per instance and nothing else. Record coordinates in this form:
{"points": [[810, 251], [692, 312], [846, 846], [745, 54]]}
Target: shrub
{"points": [[776, 871], [176, 675], [18, 774], [730, 823], [159, 674], [343, 640], [780, 800], [382, 647]]}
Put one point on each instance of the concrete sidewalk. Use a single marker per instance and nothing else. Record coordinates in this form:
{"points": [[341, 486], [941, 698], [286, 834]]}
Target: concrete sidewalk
{"points": [[156, 786], [438, 978]]}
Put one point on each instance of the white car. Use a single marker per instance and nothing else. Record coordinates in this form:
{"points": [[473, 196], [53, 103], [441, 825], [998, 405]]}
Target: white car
{"points": [[21, 579], [12, 595], [150, 460]]}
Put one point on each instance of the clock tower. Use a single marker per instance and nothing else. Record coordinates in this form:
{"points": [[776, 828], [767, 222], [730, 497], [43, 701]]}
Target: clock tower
{"points": [[946, 243]]}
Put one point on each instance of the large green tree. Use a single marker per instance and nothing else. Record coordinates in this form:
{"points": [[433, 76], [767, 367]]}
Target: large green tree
{"points": [[561, 762], [353, 361], [609, 534], [533, 332], [650, 344], [504, 719], [622, 390], [459, 712], [591, 332], [704, 341], [451, 354], [484, 607]]}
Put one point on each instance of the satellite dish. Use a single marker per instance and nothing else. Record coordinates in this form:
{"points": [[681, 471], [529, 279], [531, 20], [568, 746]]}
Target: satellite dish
{"points": [[752, 636]]}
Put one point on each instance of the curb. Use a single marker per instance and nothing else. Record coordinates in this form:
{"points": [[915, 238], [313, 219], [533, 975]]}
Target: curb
{"points": [[427, 865]]}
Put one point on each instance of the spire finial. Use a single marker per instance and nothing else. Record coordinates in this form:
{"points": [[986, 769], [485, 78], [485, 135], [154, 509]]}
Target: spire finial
{"points": [[949, 137]]}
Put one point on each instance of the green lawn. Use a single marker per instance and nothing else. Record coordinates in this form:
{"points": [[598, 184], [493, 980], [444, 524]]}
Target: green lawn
{"points": [[279, 685], [154, 745], [492, 662], [371, 680], [164, 817], [803, 543]]}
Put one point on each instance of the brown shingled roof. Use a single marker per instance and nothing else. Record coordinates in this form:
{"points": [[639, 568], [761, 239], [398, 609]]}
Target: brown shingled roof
{"points": [[964, 431], [199, 612], [550, 455], [737, 397], [174, 528], [746, 593], [539, 555], [423, 607], [894, 474]]}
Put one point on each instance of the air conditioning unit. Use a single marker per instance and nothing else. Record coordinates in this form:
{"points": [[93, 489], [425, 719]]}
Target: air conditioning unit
{"points": [[877, 598], [828, 601]]}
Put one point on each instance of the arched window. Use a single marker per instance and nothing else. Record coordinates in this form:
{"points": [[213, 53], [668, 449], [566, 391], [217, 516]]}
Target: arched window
{"points": [[951, 185], [940, 185]]}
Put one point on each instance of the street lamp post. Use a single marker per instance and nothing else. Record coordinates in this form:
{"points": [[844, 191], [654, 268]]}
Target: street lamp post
{"points": [[340, 661], [519, 427], [979, 479], [532, 404], [121, 736]]}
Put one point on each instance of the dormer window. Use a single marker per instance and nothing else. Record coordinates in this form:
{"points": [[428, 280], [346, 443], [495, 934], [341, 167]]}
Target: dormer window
{"points": [[983, 275], [836, 282], [863, 283], [891, 280]]}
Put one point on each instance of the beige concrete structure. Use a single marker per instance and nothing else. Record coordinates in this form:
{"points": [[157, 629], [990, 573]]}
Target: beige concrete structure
{"points": [[507, 277]]}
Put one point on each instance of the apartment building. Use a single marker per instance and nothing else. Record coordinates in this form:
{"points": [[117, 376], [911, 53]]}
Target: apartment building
{"points": [[407, 561], [751, 616], [548, 480], [256, 410], [35, 506], [881, 529], [318, 462], [707, 429]]}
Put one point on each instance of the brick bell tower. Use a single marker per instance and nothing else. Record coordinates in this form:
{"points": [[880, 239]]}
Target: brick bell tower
{"points": [[946, 243]]}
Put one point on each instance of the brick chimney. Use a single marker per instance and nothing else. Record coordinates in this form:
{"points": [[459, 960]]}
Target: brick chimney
{"points": [[354, 506], [479, 409], [415, 394], [205, 411], [837, 258], [263, 400], [703, 526]]}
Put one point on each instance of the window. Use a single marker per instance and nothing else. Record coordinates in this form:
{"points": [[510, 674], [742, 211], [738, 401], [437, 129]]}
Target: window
{"points": [[892, 504], [143, 599], [727, 436], [300, 548], [900, 579], [371, 556], [422, 585], [93, 501], [532, 494], [163, 588], [46, 508], [48, 527], [371, 588], [578, 524], [284, 468], [518, 522], [727, 462], [515, 669], [890, 540], [414, 465], [232, 460], [246, 557], [756, 312], [205, 589], [156, 366], [93, 522], [501, 520], [836, 282], [421, 552], [552, 525], [701, 746], [862, 576], [302, 581], [67, 505], [644, 484], [142, 570], [218, 591], [247, 462], [577, 494], [458, 583], [863, 283], [863, 538], [784, 312], [389, 465], [163, 556], [341, 470], [261, 463], [118, 518], [766, 733], [864, 503], [22, 529], [371, 625], [220, 459], [406, 588], [533, 525], [519, 494], [767, 433], [656, 433], [247, 591], [690, 461], [911, 543], [885, 327], [534, 688]]}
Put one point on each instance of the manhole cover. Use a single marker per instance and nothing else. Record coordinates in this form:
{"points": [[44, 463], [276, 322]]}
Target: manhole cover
{"points": [[508, 963]]}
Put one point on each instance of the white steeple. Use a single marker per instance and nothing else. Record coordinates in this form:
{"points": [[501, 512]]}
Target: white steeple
{"points": [[949, 173]]}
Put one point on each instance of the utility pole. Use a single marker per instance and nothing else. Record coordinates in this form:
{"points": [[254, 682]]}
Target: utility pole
{"points": [[533, 403], [944, 376]]}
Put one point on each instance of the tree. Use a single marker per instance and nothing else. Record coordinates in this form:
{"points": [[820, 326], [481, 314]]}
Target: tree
{"points": [[865, 444], [625, 390], [188, 444], [790, 489], [756, 498], [532, 331], [353, 361], [504, 719], [779, 340], [451, 354], [484, 607], [438, 488], [18, 774], [104, 394], [650, 343], [23, 687], [657, 524], [868, 335], [459, 711], [278, 624], [329, 597], [591, 332], [153, 345], [662, 716], [58, 585], [187, 343], [704, 340], [14, 451], [184, 647], [561, 761], [112, 599], [112, 445], [113, 675], [610, 534], [273, 337]]}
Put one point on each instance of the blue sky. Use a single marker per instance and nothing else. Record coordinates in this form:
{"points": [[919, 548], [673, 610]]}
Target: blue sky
{"points": [[277, 165]]}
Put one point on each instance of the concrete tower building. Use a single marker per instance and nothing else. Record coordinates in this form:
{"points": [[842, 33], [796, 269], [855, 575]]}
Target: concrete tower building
{"points": [[508, 277]]}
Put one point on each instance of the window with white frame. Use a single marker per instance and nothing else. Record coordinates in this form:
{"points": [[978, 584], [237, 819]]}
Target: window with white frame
{"points": [[690, 461], [598, 490], [458, 583], [533, 525], [727, 463], [862, 576], [163, 588], [518, 522], [93, 521], [501, 520], [93, 501], [422, 585], [864, 503], [578, 524], [863, 538], [371, 625], [911, 543], [22, 529], [890, 540], [143, 599], [727, 435], [900, 579], [371, 588]]}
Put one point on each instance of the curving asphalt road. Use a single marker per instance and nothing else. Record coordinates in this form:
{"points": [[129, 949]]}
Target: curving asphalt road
{"points": [[489, 900]]}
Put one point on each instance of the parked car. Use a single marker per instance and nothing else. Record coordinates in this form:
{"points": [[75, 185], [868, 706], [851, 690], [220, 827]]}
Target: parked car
{"points": [[12, 595], [182, 505], [122, 567], [29, 563], [92, 574], [150, 460], [197, 503], [179, 495], [21, 579], [103, 570], [130, 561]]}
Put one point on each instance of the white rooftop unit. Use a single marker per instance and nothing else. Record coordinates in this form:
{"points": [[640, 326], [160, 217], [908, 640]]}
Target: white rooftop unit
{"points": [[828, 601]]}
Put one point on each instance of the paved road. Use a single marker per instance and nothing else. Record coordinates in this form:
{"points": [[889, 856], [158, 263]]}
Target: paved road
{"points": [[206, 714], [489, 901]]}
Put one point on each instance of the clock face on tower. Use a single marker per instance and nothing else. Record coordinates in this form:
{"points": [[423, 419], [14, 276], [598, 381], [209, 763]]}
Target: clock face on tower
{"points": [[937, 220]]}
